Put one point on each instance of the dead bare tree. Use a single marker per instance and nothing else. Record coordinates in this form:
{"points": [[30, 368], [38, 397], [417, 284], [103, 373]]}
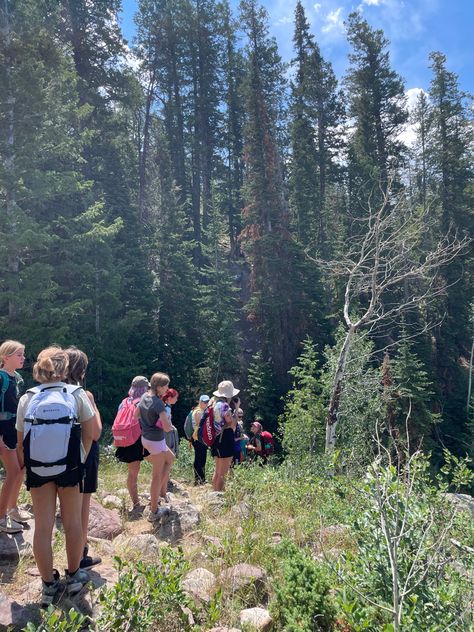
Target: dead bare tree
{"points": [[386, 274]]}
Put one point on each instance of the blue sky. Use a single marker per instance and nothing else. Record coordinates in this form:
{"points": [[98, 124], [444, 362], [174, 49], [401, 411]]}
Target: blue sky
{"points": [[414, 28]]}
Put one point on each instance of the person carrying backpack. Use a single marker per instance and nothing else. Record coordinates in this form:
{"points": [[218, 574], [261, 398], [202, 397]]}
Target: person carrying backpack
{"points": [[225, 421], [261, 442], [55, 430], [78, 362], [128, 437], [191, 427], [12, 358]]}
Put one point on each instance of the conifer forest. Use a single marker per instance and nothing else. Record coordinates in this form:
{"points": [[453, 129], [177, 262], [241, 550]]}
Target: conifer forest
{"points": [[190, 203]]}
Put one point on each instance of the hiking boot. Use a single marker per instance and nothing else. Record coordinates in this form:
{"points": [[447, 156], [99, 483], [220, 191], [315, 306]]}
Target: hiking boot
{"points": [[8, 525], [88, 560], [156, 516], [50, 590], [76, 581], [20, 515]]}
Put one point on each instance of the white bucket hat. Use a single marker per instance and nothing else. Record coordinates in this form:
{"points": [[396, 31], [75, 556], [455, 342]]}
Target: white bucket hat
{"points": [[226, 389]]}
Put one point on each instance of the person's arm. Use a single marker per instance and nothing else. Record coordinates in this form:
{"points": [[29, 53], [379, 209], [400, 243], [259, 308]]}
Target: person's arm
{"points": [[19, 424], [97, 425], [165, 421], [87, 419]]}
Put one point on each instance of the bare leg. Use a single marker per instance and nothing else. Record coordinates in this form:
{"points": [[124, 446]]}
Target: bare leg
{"points": [[132, 481], [158, 463], [170, 459], [13, 479], [222, 467], [85, 510], [44, 510], [70, 499]]}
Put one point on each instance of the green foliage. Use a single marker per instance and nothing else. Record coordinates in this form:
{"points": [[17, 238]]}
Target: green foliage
{"points": [[146, 597], [403, 571], [302, 422], [302, 601], [53, 620], [361, 405]]}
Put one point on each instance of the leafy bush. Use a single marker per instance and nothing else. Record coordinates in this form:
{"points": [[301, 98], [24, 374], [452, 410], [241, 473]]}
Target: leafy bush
{"points": [[302, 601], [146, 597], [53, 620]]}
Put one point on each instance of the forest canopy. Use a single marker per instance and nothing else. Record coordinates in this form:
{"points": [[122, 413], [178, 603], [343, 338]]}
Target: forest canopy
{"points": [[199, 211]]}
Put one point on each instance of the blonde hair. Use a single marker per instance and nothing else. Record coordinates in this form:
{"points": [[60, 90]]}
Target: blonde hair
{"points": [[157, 380], [51, 365], [8, 348]]}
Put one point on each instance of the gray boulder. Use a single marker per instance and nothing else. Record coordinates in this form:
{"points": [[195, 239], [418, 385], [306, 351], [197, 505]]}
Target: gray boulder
{"points": [[257, 618], [200, 585]]}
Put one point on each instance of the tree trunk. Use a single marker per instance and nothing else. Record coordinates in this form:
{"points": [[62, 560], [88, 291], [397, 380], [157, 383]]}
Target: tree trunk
{"points": [[331, 421]]}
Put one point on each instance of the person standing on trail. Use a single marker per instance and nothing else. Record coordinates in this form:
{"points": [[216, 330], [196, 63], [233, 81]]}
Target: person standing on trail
{"points": [[12, 358], [172, 441], [154, 423], [78, 362], [200, 450], [225, 421], [54, 449], [134, 454]]}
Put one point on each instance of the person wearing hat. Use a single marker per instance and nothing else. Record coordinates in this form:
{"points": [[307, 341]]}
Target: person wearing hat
{"points": [[200, 450], [225, 421], [134, 454]]}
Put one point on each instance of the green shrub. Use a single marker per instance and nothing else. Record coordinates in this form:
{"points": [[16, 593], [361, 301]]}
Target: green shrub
{"points": [[53, 620], [146, 597], [302, 601]]}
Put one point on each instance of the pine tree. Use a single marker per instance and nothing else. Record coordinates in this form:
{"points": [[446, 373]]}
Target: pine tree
{"points": [[377, 105], [451, 156]]}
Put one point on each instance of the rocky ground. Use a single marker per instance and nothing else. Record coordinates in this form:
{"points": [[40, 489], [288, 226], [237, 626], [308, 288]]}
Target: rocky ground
{"points": [[115, 531]]}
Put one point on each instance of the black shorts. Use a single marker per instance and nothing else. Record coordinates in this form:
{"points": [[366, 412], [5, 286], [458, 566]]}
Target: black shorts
{"points": [[8, 433], [223, 446], [91, 467], [132, 453], [70, 478]]}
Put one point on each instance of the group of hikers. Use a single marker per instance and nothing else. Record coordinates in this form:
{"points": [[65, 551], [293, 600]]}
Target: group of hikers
{"points": [[49, 438]]}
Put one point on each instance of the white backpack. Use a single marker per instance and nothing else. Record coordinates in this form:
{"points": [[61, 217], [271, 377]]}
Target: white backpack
{"points": [[52, 434]]}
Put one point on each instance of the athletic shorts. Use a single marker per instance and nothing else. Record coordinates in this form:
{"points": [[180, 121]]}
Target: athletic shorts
{"points": [[70, 478], [223, 446], [91, 467], [132, 453], [155, 447], [8, 433]]}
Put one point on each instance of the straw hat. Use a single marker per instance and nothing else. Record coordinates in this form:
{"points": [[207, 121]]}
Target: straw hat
{"points": [[226, 389]]}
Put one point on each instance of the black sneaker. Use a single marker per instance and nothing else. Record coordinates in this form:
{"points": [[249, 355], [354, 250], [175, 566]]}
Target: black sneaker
{"points": [[50, 590], [88, 560]]}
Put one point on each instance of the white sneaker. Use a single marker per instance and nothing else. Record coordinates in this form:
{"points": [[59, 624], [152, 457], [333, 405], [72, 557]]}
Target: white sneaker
{"points": [[20, 515], [7, 525]]}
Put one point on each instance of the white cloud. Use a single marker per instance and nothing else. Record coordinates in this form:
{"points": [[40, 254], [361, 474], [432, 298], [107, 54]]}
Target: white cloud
{"points": [[333, 22], [373, 2], [285, 19], [317, 6], [409, 133]]}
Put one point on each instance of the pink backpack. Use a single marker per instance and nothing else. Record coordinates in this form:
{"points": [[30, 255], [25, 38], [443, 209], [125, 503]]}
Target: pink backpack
{"points": [[126, 429]]}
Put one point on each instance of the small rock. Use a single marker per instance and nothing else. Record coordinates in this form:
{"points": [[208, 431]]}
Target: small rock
{"points": [[259, 618], [112, 502], [16, 545], [13, 615], [210, 539], [183, 518], [104, 523], [200, 584], [219, 629], [144, 545], [242, 576], [241, 510]]}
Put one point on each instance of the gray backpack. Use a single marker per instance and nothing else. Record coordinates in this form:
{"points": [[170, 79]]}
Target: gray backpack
{"points": [[52, 436]]}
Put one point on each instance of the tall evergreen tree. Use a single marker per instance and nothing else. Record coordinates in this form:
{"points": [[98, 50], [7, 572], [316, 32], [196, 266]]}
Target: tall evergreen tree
{"points": [[377, 106], [451, 155], [265, 238]]}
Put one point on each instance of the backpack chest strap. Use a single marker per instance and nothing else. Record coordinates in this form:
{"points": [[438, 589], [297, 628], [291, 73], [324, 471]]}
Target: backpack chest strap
{"points": [[61, 420]]}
